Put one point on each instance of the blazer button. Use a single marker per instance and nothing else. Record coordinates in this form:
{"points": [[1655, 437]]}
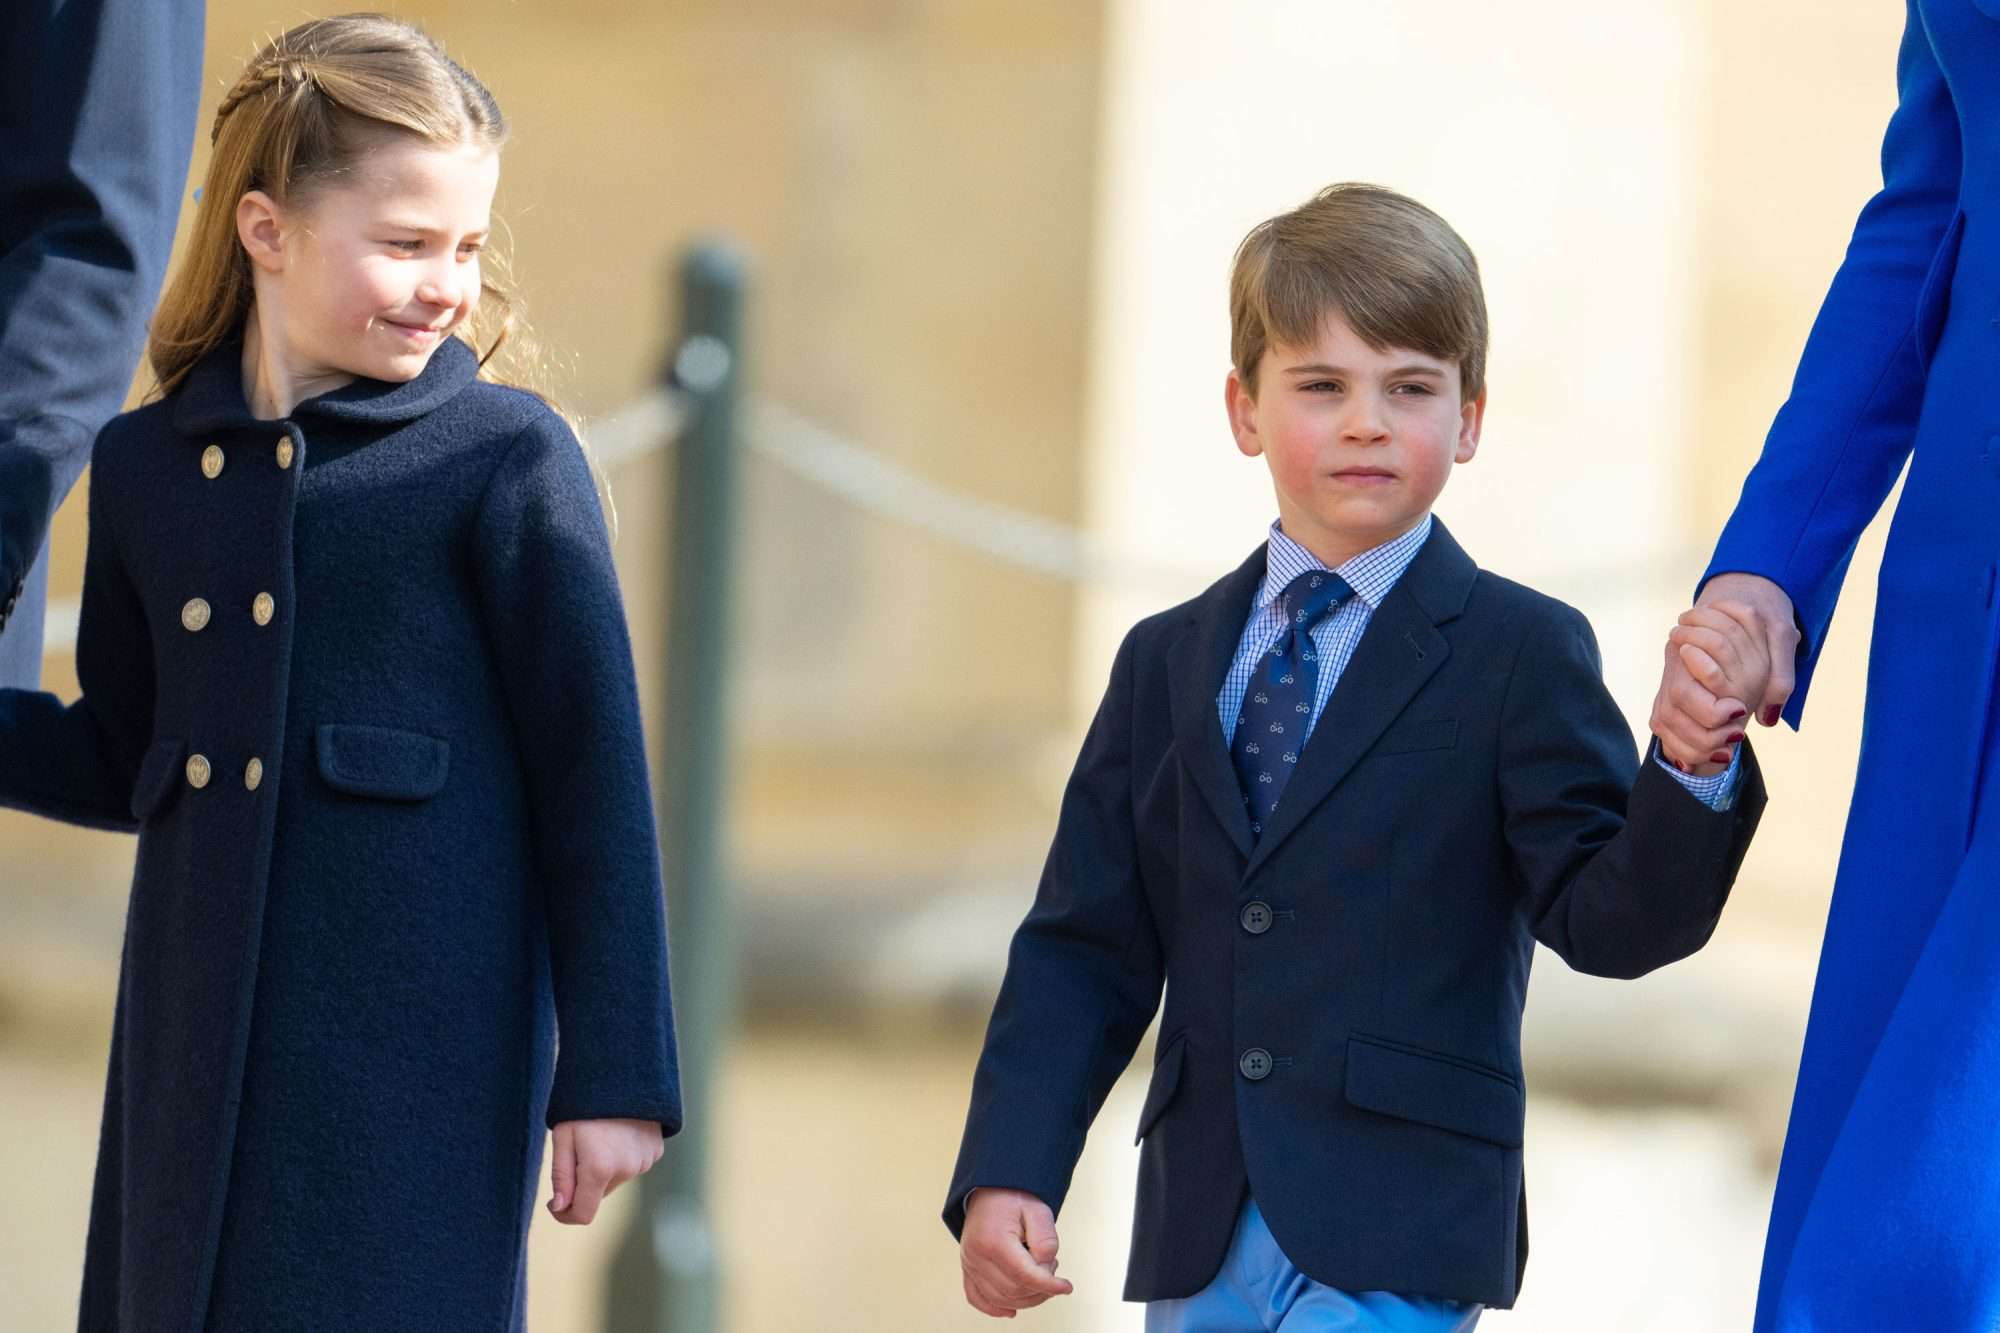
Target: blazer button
{"points": [[284, 451], [197, 771], [194, 615], [253, 774], [211, 462], [1255, 1064], [263, 608], [1256, 917]]}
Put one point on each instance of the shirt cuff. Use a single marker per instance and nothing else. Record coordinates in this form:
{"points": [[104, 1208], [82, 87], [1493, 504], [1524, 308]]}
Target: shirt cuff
{"points": [[1717, 792]]}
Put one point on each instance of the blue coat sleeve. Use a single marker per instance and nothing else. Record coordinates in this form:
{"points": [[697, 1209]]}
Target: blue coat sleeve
{"points": [[1840, 440], [1084, 975], [79, 762], [97, 107], [550, 598]]}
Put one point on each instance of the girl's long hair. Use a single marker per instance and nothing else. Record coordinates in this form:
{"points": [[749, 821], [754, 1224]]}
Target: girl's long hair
{"points": [[304, 112]]}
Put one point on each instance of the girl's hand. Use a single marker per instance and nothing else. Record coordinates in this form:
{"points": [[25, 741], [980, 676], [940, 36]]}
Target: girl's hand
{"points": [[595, 1157]]}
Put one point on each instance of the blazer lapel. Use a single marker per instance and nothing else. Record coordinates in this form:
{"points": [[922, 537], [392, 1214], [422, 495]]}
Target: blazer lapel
{"points": [[1399, 651], [1196, 665]]}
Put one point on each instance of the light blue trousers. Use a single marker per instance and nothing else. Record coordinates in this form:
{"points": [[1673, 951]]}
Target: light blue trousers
{"points": [[1259, 1291]]}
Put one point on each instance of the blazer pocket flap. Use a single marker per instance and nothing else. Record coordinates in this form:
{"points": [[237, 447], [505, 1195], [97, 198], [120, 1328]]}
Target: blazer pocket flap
{"points": [[1436, 734], [1435, 1090], [1166, 1082], [382, 762], [157, 772]]}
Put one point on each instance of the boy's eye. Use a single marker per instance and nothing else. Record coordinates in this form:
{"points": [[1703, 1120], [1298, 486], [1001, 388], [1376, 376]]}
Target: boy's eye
{"points": [[1317, 386], [1424, 389], [406, 247]]}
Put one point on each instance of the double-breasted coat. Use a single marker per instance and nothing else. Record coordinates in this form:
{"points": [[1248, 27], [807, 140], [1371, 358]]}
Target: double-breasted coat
{"points": [[1887, 1214], [361, 681]]}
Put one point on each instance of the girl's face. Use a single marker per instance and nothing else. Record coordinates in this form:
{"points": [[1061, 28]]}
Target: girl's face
{"points": [[372, 272]]}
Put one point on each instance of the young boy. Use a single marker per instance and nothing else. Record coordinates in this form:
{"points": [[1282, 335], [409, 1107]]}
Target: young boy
{"points": [[1331, 804]]}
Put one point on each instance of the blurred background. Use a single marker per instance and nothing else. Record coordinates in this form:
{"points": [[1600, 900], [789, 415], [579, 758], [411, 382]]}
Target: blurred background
{"points": [[986, 331]]}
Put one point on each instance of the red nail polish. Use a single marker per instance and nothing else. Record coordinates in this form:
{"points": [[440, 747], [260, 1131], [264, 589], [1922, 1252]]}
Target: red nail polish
{"points": [[1736, 738], [1771, 716], [1719, 757], [1739, 715]]}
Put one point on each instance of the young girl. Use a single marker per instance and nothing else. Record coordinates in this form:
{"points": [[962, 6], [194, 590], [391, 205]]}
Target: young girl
{"points": [[354, 665]]}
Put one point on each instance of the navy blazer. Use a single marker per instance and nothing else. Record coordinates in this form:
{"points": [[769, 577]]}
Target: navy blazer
{"points": [[1343, 995], [361, 681], [97, 106]]}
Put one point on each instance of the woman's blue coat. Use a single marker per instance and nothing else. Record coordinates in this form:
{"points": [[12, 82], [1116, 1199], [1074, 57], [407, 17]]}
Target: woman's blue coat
{"points": [[334, 1050], [1887, 1213]]}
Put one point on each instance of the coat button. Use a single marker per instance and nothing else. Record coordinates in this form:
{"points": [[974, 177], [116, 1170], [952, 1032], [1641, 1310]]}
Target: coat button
{"points": [[1255, 1064], [263, 608], [197, 770], [1256, 917], [194, 615], [253, 774], [284, 451], [211, 462]]}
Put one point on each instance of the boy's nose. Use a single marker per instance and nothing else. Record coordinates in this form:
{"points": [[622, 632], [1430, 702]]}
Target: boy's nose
{"points": [[1364, 420]]}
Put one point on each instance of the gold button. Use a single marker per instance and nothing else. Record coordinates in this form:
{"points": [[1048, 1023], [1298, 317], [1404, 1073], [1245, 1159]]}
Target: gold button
{"points": [[263, 608], [194, 616], [211, 462], [197, 770], [253, 773], [284, 451]]}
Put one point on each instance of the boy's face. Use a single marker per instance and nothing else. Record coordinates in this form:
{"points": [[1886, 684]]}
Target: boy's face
{"points": [[1359, 441]]}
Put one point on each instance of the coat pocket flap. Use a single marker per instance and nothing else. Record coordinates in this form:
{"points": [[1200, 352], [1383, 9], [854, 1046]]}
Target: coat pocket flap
{"points": [[157, 771], [1437, 734], [1166, 1082], [1434, 1090], [383, 762]]}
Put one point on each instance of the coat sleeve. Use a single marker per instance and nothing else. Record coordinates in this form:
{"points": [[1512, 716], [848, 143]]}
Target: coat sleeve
{"points": [[550, 598], [1838, 443], [97, 108], [79, 762], [1619, 876], [1084, 976]]}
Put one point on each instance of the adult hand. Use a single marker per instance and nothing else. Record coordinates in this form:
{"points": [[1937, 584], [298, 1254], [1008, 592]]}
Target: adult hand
{"points": [[1691, 721], [594, 1157], [1007, 1252]]}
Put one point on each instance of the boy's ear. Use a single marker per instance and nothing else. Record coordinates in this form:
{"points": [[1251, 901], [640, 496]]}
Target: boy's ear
{"points": [[1471, 416], [1242, 405], [261, 231]]}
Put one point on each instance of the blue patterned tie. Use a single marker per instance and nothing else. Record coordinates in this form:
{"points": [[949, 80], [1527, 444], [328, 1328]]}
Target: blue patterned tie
{"points": [[1271, 727]]}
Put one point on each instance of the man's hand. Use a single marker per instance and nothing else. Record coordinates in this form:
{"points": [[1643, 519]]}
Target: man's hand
{"points": [[1694, 716], [1007, 1253], [593, 1158]]}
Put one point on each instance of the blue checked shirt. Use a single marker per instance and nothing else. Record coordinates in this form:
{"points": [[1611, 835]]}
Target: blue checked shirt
{"points": [[1371, 574]]}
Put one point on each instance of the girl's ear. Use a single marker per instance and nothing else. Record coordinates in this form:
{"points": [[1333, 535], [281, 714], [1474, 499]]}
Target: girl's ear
{"points": [[260, 228], [1241, 401]]}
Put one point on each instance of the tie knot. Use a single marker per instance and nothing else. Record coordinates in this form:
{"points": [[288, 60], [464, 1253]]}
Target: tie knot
{"points": [[1309, 597]]}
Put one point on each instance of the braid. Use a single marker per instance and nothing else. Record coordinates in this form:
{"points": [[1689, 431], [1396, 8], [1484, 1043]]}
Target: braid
{"points": [[283, 73]]}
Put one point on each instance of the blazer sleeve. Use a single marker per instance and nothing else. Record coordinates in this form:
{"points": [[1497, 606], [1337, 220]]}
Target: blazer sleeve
{"points": [[1620, 876], [551, 601], [1084, 975], [97, 108], [1839, 442], [79, 762]]}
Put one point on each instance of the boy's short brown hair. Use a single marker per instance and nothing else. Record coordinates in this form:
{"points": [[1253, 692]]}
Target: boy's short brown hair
{"points": [[1394, 270]]}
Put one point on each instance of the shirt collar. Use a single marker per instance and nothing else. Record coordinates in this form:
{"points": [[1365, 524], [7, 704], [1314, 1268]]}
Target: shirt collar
{"points": [[211, 398], [1371, 574]]}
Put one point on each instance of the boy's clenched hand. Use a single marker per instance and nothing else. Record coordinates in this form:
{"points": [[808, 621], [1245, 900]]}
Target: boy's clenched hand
{"points": [[1724, 647], [1007, 1252]]}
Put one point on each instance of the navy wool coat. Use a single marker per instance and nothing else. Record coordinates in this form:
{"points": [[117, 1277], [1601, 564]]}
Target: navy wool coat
{"points": [[361, 681]]}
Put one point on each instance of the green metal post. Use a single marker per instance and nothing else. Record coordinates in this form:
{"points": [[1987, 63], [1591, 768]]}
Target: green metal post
{"points": [[665, 1277]]}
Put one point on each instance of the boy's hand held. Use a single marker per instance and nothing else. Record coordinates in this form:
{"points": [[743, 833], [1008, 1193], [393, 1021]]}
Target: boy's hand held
{"points": [[1007, 1253], [591, 1158]]}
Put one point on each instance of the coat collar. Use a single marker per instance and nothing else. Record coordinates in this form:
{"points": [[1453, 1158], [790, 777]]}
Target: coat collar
{"points": [[1400, 650], [211, 398]]}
